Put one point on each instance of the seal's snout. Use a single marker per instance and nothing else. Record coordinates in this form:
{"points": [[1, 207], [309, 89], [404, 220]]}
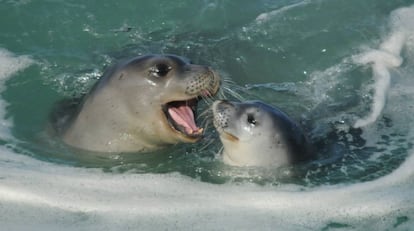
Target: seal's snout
{"points": [[205, 82], [200, 82], [215, 81], [221, 112]]}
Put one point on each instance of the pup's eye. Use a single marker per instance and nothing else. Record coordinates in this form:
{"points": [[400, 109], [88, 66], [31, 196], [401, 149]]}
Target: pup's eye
{"points": [[251, 120], [160, 70]]}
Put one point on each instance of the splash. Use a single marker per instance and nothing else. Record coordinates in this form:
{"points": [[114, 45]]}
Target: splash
{"points": [[48, 195], [52, 196], [9, 65], [264, 17], [385, 58]]}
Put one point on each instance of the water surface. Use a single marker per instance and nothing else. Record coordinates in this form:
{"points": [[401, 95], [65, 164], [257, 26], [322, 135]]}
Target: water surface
{"points": [[341, 68]]}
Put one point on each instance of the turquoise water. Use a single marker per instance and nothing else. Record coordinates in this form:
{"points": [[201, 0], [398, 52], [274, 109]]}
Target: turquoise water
{"points": [[343, 69]]}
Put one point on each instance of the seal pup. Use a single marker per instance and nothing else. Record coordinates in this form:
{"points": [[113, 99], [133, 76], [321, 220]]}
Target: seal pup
{"points": [[140, 104], [256, 134]]}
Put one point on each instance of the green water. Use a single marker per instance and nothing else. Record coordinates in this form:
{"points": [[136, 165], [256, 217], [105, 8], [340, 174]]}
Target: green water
{"points": [[297, 55], [275, 58]]}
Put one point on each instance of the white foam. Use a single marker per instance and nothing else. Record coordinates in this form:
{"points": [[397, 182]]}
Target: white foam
{"points": [[47, 196], [9, 65], [264, 17], [386, 57], [59, 197]]}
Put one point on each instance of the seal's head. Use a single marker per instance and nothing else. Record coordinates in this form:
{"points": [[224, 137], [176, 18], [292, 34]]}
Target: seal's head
{"points": [[256, 134], [143, 103]]}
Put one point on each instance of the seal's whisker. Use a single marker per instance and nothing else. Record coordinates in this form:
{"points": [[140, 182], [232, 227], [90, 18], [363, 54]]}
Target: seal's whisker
{"points": [[205, 126], [207, 100], [232, 89], [233, 93], [205, 113], [220, 151], [206, 122], [221, 94], [208, 144]]}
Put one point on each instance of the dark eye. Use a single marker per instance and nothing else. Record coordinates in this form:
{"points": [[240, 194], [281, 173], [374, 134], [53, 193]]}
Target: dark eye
{"points": [[251, 120], [160, 70]]}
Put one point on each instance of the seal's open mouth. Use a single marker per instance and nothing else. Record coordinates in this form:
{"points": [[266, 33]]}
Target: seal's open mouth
{"points": [[181, 116]]}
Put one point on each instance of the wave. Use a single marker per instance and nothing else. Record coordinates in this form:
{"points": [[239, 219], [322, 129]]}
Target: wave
{"points": [[386, 57], [53, 196]]}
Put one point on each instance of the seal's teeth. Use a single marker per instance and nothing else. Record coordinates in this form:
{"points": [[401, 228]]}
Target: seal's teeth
{"points": [[195, 132], [200, 130]]}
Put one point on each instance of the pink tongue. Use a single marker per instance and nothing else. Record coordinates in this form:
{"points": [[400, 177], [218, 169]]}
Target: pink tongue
{"points": [[183, 115]]}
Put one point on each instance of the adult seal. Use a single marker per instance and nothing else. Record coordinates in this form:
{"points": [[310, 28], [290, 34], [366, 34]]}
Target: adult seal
{"points": [[256, 134], [140, 104]]}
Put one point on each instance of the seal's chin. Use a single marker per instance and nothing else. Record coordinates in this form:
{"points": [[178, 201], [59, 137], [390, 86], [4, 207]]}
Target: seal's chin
{"points": [[181, 117]]}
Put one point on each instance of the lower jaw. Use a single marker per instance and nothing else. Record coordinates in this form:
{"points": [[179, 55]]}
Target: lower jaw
{"points": [[188, 139], [182, 136]]}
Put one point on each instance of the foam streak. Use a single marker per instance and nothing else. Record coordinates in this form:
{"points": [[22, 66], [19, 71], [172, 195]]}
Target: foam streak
{"points": [[54, 196], [9, 65], [384, 59], [264, 17]]}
